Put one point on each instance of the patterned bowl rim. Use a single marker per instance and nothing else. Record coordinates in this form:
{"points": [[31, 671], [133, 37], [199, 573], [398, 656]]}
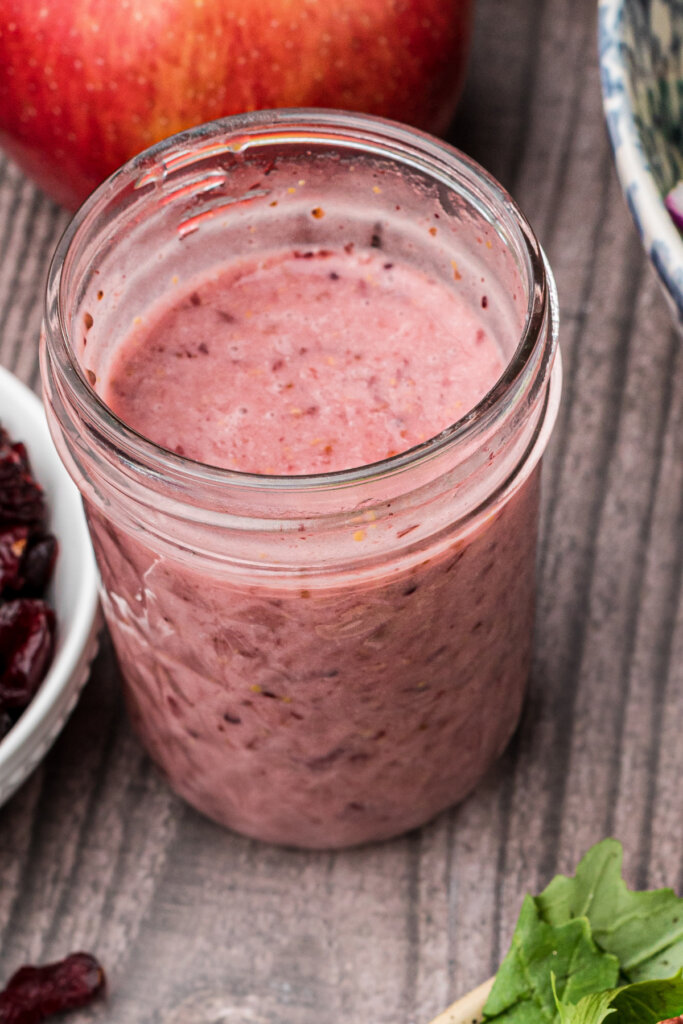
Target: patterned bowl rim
{"points": [[660, 237], [39, 725]]}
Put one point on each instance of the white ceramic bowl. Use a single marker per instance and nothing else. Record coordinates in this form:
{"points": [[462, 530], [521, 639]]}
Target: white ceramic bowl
{"points": [[641, 63], [72, 592]]}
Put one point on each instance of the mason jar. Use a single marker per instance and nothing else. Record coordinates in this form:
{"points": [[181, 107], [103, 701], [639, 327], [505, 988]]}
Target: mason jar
{"points": [[315, 660]]}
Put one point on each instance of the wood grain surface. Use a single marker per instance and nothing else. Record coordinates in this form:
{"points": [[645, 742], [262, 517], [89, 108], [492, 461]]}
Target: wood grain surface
{"points": [[199, 926]]}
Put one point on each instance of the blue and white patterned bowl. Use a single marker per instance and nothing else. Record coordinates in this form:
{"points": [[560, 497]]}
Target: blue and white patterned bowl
{"points": [[641, 62]]}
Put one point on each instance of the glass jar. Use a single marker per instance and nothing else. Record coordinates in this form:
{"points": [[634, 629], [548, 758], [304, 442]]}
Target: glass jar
{"points": [[311, 660]]}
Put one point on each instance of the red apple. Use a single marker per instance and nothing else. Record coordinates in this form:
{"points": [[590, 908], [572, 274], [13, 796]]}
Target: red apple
{"points": [[86, 84]]}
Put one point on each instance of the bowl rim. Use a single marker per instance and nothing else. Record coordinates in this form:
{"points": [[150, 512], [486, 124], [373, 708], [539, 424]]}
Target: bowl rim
{"points": [[659, 235], [76, 638]]}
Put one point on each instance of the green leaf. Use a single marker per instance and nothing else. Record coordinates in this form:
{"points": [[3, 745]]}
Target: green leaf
{"points": [[523, 990], [646, 1002], [644, 930], [592, 1009]]}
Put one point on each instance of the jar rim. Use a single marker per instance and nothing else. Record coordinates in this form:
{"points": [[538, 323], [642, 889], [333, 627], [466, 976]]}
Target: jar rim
{"points": [[535, 349]]}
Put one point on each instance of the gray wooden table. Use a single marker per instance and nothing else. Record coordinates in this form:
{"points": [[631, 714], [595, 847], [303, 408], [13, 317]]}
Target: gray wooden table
{"points": [[195, 924]]}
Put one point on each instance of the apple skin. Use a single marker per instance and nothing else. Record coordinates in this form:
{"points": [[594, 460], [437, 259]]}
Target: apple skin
{"points": [[86, 84]]}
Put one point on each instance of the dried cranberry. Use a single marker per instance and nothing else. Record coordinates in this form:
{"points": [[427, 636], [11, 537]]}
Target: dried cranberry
{"points": [[26, 562], [38, 565], [21, 498], [27, 558], [27, 630], [13, 544], [34, 993]]}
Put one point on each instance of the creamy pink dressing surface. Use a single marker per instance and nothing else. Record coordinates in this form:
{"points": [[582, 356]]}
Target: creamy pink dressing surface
{"points": [[304, 362], [322, 712]]}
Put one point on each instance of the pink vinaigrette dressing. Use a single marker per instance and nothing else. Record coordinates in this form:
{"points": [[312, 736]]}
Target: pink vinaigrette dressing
{"points": [[303, 362], [318, 571], [320, 715]]}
